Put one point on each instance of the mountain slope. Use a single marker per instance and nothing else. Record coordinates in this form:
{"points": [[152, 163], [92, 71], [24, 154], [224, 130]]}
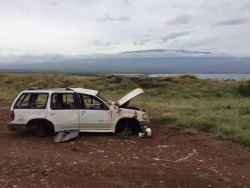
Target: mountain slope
{"points": [[137, 65]]}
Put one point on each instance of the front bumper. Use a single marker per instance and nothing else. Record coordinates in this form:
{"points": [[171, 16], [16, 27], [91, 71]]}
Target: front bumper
{"points": [[14, 127], [145, 129], [144, 125]]}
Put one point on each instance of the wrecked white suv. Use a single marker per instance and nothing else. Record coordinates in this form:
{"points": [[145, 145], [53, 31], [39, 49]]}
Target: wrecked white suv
{"points": [[69, 109]]}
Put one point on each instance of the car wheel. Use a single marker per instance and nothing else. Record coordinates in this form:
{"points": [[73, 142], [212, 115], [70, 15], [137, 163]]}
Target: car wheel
{"points": [[129, 126], [40, 131]]}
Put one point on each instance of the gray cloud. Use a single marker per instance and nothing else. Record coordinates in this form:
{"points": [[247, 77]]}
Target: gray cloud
{"points": [[123, 18], [126, 2], [163, 39], [232, 22], [101, 43], [200, 42], [68, 26], [183, 19], [246, 6], [175, 35], [54, 4], [108, 18], [141, 42]]}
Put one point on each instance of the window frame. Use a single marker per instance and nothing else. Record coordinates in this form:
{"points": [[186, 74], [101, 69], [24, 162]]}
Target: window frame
{"points": [[64, 93], [25, 94], [96, 98]]}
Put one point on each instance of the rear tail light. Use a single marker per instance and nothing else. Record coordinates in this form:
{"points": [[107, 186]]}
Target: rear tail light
{"points": [[12, 115]]}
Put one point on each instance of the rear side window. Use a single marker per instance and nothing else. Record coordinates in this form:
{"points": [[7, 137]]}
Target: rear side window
{"points": [[32, 100], [63, 101]]}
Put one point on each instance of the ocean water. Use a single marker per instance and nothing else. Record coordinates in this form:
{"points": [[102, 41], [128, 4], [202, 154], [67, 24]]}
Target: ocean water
{"points": [[210, 76], [201, 76]]}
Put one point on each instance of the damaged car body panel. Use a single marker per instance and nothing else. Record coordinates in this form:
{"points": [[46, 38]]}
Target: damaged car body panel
{"points": [[63, 136], [71, 109]]}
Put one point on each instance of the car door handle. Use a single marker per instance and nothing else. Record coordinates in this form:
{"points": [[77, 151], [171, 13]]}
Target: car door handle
{"points": [[83, 112]]}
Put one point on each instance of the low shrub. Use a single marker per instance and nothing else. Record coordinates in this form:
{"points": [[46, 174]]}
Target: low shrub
{"points": [[242, 139], [225, 132], [190, 76], [162, 120], [244, 111], [189, 131], [244, 89], [123, 135], [114, 79], [206, 126]]}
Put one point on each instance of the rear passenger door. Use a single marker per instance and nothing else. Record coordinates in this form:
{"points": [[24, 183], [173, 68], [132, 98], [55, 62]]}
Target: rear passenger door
{"points": [[63, 111]]}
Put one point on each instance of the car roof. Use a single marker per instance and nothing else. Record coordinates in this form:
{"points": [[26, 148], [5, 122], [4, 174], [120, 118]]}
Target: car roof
{"points": [[85, 91], [77, 90]]}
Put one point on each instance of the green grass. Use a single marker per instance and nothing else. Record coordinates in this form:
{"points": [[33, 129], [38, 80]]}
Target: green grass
{"points": [[219, 107], [190, 131], [123, 135]]}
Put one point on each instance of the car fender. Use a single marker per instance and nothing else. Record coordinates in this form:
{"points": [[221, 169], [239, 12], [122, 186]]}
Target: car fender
{"points": [[25, 118], [121, 113]]}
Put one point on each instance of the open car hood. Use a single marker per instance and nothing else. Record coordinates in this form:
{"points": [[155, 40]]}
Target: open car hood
{"points": [[129, 96]]}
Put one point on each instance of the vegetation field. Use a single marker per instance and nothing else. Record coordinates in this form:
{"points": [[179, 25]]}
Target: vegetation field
{"points": [[186, 102]]}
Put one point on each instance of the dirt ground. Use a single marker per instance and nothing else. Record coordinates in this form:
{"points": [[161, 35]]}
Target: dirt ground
{"points": [[169, 159]]}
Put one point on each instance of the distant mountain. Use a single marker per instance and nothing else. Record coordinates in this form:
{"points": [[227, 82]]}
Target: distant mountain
{"points": [[162, 51], [138, 62], [127, 64]]}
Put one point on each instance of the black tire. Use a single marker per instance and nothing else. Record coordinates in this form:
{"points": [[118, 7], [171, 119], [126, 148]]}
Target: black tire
{"points": [[40, 130], [129, 125], [120, 127]]}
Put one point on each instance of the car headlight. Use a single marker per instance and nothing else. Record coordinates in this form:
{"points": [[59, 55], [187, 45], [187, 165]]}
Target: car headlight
{"points": [[145, 117]]}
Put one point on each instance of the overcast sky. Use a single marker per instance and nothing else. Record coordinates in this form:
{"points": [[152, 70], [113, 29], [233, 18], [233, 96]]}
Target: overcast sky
{"points": [[80, 27]]}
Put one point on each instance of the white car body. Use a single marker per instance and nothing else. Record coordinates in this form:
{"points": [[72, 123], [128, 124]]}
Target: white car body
{"points": [[87, 111]]}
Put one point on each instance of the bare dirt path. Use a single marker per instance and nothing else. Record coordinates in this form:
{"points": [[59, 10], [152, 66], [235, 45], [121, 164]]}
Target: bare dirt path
{"points": [[169, 159]]}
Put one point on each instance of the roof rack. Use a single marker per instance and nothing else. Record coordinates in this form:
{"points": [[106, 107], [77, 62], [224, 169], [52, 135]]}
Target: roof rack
{"points": [[35, 88]]}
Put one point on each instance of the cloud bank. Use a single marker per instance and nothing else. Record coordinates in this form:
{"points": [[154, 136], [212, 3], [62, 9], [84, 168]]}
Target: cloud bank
{"points": [[113, 26]]}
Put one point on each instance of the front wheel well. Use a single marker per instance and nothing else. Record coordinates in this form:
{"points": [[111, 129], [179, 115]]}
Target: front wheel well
{"points": [[128, 124]]}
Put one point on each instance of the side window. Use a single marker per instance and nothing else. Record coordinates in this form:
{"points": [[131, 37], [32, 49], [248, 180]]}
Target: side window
{"points": [[32, 100], [62, 101], [23, 101], [92, 103], [41, 100]]}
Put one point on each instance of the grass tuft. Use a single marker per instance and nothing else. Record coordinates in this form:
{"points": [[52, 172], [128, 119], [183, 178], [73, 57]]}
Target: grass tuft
{"points": [[242, 139], [189, 131], [123, 135], [244, 89], [244, 110]]}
